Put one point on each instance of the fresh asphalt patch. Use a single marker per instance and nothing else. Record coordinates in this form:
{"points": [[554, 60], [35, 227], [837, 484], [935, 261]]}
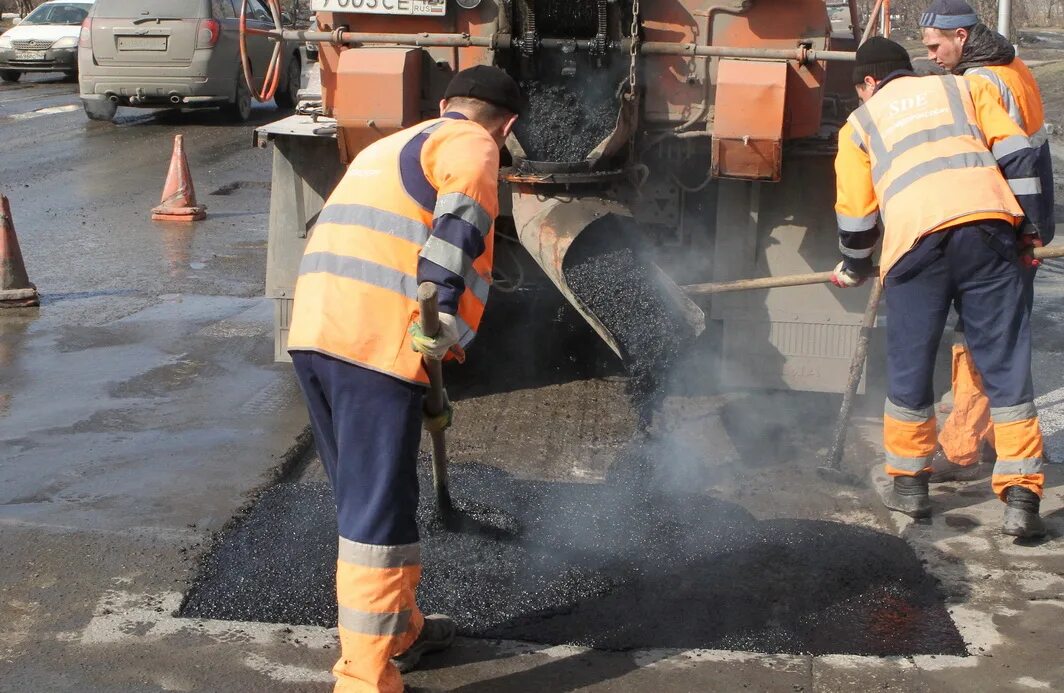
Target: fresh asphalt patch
{"points": [[611, 566]]}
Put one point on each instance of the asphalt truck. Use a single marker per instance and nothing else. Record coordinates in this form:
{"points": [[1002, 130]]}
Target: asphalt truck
{"points": [[701, 132]]}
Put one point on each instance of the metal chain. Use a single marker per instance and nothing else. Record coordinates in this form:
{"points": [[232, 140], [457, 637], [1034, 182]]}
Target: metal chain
{"points": [[633, 50], [630, 96]]}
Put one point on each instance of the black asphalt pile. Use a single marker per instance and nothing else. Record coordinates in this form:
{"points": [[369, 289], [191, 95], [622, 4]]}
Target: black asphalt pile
{"points": [[268, 561], [565, 120], [617, 287], [605, 566]]}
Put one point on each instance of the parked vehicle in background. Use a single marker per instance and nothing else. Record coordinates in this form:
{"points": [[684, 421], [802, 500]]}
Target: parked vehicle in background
{"points": [[177, 54], [45, 41], [841, 19]]}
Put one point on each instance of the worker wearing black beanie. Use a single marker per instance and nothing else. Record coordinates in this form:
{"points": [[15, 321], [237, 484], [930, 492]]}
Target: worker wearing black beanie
{"points": [[878, 57], [939, 165]]}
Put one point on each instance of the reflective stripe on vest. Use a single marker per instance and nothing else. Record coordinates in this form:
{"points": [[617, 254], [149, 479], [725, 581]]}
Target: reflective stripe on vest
{"points": [[356, 294], [1019, 92], [930, 163]]}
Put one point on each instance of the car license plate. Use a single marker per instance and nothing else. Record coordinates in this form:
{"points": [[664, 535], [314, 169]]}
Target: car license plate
{"points": [[142, 43], [405, 7], [29, 55]]}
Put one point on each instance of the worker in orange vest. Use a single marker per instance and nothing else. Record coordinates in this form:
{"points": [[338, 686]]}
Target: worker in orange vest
{"points": [[416, 206], [961, 44], [954, 181]]}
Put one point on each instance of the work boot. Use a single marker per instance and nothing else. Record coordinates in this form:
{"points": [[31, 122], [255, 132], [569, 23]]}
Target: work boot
{"points": [[437, 634], [909, 496], [1021, 514], [942, 470]]}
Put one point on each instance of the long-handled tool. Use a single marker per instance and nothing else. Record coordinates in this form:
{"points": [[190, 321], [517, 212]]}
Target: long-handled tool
{"points": [[807, 279], [435, 400], [833, 469]]}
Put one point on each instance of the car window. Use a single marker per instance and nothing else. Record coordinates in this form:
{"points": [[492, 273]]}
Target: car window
{"points": [[60, 13], [259, 11], [223, 9], [181, 9]]}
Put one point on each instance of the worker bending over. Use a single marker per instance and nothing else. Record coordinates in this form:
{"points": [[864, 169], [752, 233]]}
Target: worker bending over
{"points": [[415, 206], [961, 44], [953, 179]]}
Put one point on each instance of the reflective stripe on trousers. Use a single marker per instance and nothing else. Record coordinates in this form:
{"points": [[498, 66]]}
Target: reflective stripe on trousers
{"points": [[1020, 449], [908, 439], [1013, 431], [378, 616], [367, 430]]}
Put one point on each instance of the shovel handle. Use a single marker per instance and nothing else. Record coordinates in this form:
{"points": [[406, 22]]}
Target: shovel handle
{"points": [[435, 400], [430, 327], [857, 363], [813, 278], [430, 309]]}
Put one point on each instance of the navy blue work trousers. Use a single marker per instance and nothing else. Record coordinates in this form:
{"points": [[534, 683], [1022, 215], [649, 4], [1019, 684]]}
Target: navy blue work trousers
{"points": [[974, 268], [367, 426]]}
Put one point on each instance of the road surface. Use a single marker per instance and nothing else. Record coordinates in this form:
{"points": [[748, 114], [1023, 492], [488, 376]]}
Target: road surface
{"points": [[140, 412]]}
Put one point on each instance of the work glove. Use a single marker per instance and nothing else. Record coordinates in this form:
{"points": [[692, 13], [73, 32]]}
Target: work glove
{"points": [[445, 340], [439, 422], [847, 277], [1025, 244]]}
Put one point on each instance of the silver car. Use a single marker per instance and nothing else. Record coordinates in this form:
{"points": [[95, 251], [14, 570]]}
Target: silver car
{"points": [[178, 54]]}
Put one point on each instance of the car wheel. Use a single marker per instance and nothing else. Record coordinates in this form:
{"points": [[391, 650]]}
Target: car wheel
{"points": [[100, 110], [10, 75], [240, 109], [289, 96]]}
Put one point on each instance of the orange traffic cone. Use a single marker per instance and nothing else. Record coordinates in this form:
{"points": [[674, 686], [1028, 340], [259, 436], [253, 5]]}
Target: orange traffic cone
{"points": [[16, 291], [179, 197]]}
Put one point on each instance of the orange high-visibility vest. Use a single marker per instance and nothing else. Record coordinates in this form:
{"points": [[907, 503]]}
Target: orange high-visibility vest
{"points": [[1020, 96], [930, 164], [356, 294]]}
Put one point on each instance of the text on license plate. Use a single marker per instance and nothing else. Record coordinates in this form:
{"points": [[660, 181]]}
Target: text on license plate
{"points": [[407, 7], [141, 43], [29, 55]]}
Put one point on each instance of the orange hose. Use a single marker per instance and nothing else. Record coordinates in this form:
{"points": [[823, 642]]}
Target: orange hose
{"points": [[272, 78]]}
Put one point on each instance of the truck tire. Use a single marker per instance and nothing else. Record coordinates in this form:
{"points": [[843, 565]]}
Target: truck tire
{"points": [[100, 110], [287, 95], [10, 75], [239, 109]]}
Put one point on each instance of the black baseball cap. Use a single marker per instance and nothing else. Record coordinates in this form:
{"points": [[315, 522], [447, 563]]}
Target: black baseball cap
{"points": [[487, 83], [878, 57]]}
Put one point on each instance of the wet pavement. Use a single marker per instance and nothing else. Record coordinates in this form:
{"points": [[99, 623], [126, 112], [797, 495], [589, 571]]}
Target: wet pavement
{"points": [[140, 413]]}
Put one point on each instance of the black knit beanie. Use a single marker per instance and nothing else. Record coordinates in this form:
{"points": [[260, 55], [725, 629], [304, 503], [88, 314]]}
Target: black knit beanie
{"points": [[878, 57]]}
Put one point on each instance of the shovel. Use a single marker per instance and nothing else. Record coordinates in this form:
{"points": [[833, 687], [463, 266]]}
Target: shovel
{"points": [[832, 470], [789, 280], [435, 400]]}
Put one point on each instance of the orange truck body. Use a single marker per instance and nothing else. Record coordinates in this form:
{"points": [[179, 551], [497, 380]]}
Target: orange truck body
{"points": [[723, 162]]}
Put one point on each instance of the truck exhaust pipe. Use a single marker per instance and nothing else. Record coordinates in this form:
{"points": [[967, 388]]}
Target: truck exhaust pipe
{"points": [[551, 227]]}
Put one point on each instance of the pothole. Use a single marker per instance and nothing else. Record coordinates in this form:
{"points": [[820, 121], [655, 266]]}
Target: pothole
{"points": [[230, 188]]}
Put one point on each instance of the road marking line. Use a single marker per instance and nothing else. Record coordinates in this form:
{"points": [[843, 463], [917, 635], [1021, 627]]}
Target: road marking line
{"points": [[46, 111], [287, 673], [122, 618]]}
